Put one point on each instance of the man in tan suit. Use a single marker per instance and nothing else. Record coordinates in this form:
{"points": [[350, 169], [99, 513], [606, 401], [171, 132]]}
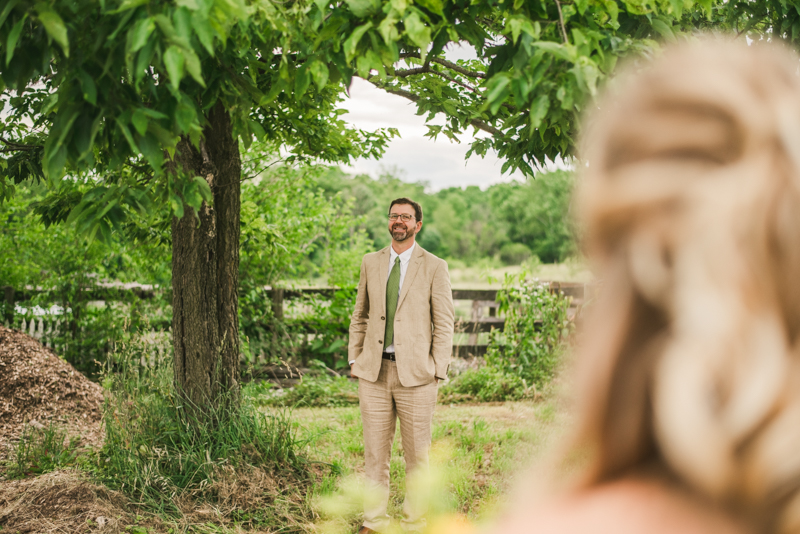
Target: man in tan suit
{"points": [[401, 337]]}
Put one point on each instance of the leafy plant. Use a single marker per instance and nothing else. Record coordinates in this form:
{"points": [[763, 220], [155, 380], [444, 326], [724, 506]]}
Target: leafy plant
{"points": [[536, 329], [311, 391], [486, 384]]}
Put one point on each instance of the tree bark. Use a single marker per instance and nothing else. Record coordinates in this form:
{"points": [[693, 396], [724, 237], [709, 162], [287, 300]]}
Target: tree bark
{"points": [[205, 273]]}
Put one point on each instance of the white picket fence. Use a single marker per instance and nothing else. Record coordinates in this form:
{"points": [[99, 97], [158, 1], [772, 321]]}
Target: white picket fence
{"points": [[46, 329], [151, 348]]}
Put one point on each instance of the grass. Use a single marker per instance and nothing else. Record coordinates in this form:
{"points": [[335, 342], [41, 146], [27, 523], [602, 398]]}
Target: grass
{"points": [[476, 455], [41, 450]]}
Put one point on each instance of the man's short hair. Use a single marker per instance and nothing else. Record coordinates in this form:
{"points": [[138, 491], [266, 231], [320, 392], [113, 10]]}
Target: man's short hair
{"points": [[408, 201]]}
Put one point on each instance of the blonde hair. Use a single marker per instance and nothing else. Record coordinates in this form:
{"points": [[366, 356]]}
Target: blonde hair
{"points": [[690, 201]]}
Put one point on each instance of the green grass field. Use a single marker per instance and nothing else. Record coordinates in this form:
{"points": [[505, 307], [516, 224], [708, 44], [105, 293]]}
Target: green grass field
{"points": [[478, 451]]}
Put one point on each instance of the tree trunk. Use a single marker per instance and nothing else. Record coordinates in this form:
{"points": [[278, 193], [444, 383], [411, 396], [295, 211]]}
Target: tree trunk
{"points": [[205, 273]]}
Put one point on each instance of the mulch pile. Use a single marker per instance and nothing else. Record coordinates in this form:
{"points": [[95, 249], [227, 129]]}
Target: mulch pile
{"points": [[62, 501], [37, 388]]}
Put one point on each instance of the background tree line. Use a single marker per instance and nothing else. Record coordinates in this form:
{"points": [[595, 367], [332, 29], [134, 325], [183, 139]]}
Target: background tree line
{"points": [[297, 224]]}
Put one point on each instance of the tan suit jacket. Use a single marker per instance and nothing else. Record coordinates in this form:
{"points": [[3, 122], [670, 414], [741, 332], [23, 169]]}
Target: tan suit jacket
{"points": [[423, 322]]}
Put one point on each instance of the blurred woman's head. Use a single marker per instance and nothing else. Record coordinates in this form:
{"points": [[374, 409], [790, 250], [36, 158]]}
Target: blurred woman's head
{"points": [[690, 201]]}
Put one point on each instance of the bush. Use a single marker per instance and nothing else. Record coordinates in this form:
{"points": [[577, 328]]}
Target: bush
{"points": [[515, 253], [535, 332], [486, 384]]}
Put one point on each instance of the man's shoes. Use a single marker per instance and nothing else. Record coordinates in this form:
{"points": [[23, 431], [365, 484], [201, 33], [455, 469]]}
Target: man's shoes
{"points": [[366, 530]]}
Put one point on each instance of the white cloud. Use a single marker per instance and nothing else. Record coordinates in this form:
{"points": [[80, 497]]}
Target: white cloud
{"points": [[441, 163]]}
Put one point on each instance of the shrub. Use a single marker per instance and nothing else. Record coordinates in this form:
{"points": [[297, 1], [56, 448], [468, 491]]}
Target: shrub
{"points": [[484, 385], [514, 253], [536, 329]]}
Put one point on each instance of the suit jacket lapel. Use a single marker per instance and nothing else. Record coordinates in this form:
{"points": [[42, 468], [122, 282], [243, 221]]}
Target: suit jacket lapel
{"points": [[383, 269], [413, 267]]}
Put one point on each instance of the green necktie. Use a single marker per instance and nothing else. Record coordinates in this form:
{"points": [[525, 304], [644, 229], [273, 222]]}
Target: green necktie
{"points": [[392, 289]]}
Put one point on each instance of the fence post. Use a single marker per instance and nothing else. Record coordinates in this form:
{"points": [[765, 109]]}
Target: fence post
{"points": [[9, 298], [277, 303], [477, 313]]}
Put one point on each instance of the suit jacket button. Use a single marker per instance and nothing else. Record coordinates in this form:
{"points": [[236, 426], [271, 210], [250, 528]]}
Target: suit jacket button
{"points": [[383, 318], [380, 341]]}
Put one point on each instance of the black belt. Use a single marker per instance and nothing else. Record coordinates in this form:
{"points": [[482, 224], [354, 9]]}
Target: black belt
{"points": [[389, 356]]}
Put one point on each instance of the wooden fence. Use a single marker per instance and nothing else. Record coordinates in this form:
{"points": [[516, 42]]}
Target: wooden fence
{"points": [[483, 315]]}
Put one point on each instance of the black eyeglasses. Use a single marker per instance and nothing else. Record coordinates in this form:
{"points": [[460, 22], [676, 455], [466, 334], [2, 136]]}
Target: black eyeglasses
{"points": [[402, 216]]}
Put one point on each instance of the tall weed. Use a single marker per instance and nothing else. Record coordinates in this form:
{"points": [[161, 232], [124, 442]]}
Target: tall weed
{"points": [[155, 453], [41, 450]]}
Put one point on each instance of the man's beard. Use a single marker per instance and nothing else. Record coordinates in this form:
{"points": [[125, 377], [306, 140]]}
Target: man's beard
{"points": [[401, 233]]}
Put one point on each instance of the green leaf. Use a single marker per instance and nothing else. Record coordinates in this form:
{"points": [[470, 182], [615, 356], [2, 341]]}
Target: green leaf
{"points": [[388, 30], [203, 187], [56, 163], [193, 66], [417, 31], [435, 6], [151, 150], [351, 44], [319, 72], [188, 4], [362, 8], [497, 91], [7, 10], [539, 110], [13, 37], [140, 33], [301, 81], [129, 4], [126, 132], [54, 26], [561, 51], [706, 5], [174, 61], [88, 87], [203, 31], [176, 204], [663, 29], [399, 5], [140, 121], [257, 130], [514, 24]]}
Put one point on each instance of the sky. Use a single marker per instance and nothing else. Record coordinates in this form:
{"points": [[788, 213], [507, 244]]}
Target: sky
{"points": [[440, 163], [414, 157]]}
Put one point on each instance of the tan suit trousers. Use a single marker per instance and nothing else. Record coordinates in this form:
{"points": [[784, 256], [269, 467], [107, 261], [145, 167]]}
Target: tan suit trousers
{"points": [[382, 403]]}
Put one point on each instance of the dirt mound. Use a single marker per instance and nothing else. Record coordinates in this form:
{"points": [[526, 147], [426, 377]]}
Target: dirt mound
{"points": [[39, 388], [61, 501]]}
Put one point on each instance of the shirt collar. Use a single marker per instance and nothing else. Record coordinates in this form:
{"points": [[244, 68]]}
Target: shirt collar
{"points": [[404, 257]]}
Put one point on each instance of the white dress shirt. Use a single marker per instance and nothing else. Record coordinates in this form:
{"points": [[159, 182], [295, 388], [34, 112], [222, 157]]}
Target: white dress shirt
{"points": [[405, 257]]}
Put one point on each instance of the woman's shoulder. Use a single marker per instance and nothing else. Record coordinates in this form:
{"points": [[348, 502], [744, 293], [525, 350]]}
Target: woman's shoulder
{"points": [[628, 506]]}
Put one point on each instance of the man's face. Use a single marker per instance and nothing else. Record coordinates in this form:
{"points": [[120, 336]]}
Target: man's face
{"points": [[403, 230]]}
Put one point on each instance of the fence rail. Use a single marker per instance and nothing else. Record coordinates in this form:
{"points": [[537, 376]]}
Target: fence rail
{"points": [[483, 317]]}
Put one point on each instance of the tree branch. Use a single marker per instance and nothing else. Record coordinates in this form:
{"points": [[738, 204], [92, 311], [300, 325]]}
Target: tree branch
{"points": [[17, 147], [561, 22], [449, 64], [477, 123], [423, 70]]}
